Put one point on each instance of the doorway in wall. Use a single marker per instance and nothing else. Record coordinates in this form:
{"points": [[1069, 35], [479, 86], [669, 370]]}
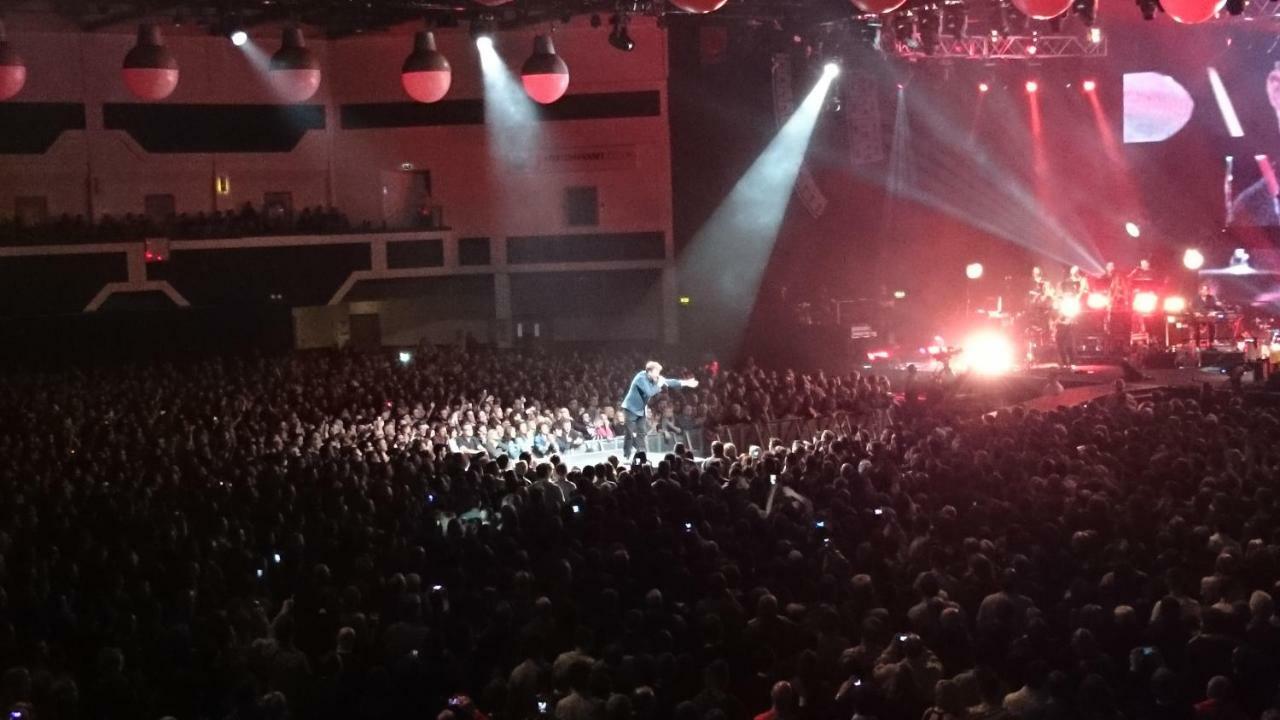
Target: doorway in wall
{"points": [[406, 200]]}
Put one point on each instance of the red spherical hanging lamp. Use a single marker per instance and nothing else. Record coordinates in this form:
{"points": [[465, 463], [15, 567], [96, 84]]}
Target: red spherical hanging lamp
{"points": [[13, 72], [150, 70], [426, 74], [1190, 12], [699, 7], [1042, 9], [878, 7], [544, 75], [294, 70]]}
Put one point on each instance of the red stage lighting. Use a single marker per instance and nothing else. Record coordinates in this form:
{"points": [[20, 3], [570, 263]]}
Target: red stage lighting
{"points": [[1090, 86], [1032, 86], [1145, 303]]}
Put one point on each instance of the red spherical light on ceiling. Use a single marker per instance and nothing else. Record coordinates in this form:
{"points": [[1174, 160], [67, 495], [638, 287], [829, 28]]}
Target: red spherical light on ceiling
{"points": [[1191, 12], [150, 70], [545, 76], [426, 74], [699, 7], [294, 70], [1042, 9], [13, 72], [879, 7]]}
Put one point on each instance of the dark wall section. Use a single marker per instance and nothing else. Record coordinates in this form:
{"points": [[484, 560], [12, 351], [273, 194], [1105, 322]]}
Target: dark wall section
{"points": [[32, 128], [214, 128], [415, 253], [582, 294], [108, 338], [55, 284], [585, 248], [293, 275]]}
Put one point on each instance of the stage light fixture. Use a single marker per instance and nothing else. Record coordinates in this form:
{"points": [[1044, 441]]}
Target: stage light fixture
{"points": [[294, 69], [955, 20], [1148, 8], [1032, 49], [929, 25], [150, 70], [1145, 303], [545, 75], [13, 71], [426, 74], [973, 271], [983, 87], [1098, 301], [239, 38], [1193, 259], [904, 29], [1132, 229], [1032, 87], [1175, 305], [1069, 306], [987, 353], [1087, 10], [830, 70], [619, 37], [1089, 85]]}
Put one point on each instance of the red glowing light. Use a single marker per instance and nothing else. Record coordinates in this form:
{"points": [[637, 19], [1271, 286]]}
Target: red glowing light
{"points": [[1032, 86], [1090, 86]]}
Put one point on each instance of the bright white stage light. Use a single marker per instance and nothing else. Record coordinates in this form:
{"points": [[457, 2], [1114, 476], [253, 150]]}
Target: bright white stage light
{"points": [[1132, 229], [239, 38], [1097, 301], [1193, 259], [484, 42], [1175, 305], [1145, 303], [988, 353], [1069, 306], [405, 357], [973, 271], [830, 70]]}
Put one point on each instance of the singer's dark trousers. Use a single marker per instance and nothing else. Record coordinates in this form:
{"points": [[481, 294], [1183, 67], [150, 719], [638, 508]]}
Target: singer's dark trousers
{"points": [[633, 435]]}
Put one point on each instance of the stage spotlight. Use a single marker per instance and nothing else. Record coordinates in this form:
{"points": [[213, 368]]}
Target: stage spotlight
{"points": [[1132, 229], [899, 294], [1145, 303], [1088, 12], [239, 38], [1090, 85], [1069, 306], [405, 357], [1095, 35], [1148, 8], [929, 25], [619, 37], [1032, 86], [988, 353], [1175, 305], [1193, 259], [904, 29], [954, 20], [1098, 301], [1032, 49], [973, 271], [830, 70], [484, 42], [983, 87]]}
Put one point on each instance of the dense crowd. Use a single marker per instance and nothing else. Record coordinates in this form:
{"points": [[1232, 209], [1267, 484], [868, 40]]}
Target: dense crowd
{"points": [[299, 537], [248, 221]]}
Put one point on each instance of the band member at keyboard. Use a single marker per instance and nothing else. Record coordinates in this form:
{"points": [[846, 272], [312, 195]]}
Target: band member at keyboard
{"points": [[1206, 309]]}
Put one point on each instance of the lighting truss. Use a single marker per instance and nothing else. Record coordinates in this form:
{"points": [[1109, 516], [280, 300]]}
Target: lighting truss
{"points": [[1012, 47]]}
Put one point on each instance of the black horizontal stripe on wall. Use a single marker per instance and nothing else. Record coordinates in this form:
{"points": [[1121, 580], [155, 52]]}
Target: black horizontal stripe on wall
{"points": [[32, 128], [415, 253], [593, 106], [214, 128], [291, 275], [585, 248]]}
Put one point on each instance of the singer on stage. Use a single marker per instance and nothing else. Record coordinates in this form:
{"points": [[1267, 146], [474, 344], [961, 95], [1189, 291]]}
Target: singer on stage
{"points": [[644, 386]]}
